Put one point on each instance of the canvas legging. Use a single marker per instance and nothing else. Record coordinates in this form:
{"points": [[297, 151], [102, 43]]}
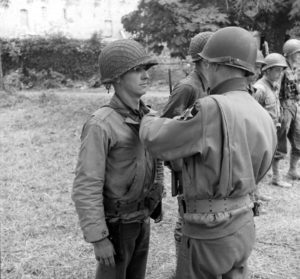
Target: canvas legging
{"points": [[289, 130]]}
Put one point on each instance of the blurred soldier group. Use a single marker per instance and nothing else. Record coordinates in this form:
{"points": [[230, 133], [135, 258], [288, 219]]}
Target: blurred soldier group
{"points": [[218, 140]]}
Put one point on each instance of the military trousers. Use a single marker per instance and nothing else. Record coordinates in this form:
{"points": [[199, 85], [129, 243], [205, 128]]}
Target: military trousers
{"points": [[131, 243], [289, 130], [222, 258]]}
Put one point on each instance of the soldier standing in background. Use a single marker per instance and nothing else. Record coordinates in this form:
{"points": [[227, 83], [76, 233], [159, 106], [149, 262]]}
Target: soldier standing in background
{"points": [[116, 188], [258, 197], [228, 147], [267, 94], [183, 96], [194, 86], [259, 63], [289, 99]]}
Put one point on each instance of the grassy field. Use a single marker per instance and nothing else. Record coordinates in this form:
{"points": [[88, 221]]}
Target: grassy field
{"points": [[40, 236]]}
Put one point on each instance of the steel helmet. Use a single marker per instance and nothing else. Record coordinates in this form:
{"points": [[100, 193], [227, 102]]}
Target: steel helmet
{"points": [[260, 58], [197, 43], [291, 46], [274, 60], [231, 46], [120, 56]]}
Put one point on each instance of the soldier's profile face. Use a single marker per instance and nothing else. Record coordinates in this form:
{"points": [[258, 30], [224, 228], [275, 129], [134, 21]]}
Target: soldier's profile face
{"points": [[274, 73], [136, 81], [296, 58]]}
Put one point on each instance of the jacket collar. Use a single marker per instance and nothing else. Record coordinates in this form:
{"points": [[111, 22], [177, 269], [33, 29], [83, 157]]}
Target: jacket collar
{"points": [[128, 113], [203, 80], [234, 84], [274, 85]]}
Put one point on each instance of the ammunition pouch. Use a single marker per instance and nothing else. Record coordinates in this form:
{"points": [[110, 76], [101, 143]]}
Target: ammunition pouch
{"points": [[157, 213], [176, 183], [153, 201], [256, 208], [292, 89], [289, 91]]}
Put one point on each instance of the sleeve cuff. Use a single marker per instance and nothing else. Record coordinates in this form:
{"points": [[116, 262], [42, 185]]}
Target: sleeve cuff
{"points": [[96, 234]]}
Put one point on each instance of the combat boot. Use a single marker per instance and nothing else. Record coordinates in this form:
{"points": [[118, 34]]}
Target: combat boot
{"points": [[292, 173], [277, 179]]}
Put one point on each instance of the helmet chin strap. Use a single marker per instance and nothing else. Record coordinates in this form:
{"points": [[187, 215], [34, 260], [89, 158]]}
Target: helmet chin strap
{"points": [[108, 87]]}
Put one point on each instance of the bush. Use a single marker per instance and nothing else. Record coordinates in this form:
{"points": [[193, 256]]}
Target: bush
{"points": [[13, 80], [75, 59], [44, 79], [56, 61]]}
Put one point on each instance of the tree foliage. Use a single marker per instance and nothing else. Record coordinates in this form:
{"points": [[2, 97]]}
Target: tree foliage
{"points": [[4, 3], [172, 23]]}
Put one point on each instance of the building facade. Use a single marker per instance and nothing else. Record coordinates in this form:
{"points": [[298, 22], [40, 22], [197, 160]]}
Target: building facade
{"points": [[72, 18]]}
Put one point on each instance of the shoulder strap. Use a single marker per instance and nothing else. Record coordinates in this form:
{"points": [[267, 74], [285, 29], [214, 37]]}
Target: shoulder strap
{"points": [[226, 123]]}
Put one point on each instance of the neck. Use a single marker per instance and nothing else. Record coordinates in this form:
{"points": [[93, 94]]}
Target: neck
{"points": [[131, 101], [223, 75], [200, 70], [292, 63]]}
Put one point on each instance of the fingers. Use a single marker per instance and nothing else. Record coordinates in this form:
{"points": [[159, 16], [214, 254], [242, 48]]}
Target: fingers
{"points": [[106, 261], [104, 252], [109, 261]]}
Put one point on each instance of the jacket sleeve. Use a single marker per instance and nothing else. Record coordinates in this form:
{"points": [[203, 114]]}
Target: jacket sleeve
{"points": [[259, 95], [182, 97], [170, 139], [89, 181]]}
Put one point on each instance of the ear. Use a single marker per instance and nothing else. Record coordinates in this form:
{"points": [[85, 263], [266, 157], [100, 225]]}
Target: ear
{"points": [[204, 63], [217, 66]]}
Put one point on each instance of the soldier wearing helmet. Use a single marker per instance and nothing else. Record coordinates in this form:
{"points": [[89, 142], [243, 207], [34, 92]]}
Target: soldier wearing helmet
{"points": [[182, 97], [227, 148], [290, 102], [115, 188], [194, 86], [267, 94], [258, 197], [259, 63]]}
